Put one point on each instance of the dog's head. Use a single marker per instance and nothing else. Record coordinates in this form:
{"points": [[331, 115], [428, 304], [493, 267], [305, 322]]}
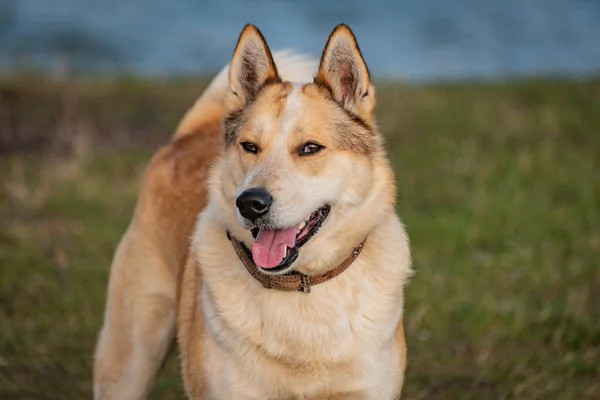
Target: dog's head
{"points": [[304, 177]]}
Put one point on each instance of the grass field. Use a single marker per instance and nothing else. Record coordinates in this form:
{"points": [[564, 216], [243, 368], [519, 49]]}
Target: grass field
{"points": [[499, 187]]}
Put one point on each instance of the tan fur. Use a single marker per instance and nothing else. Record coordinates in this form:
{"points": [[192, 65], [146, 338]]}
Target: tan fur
{"points": [[237, 340]]}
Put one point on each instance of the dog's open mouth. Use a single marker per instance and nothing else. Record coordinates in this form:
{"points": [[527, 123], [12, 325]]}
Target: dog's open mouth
{"points": [[275, 250]]}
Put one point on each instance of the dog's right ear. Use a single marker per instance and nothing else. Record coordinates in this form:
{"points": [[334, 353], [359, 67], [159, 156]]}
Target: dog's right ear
{"points": [[344, 71], [252, 66]]}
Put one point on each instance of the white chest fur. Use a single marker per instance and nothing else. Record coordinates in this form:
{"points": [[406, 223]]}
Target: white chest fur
{"points": [[267, 344]]}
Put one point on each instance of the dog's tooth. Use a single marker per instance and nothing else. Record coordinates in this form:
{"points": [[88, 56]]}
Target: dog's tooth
{"points": [[302, 225]]}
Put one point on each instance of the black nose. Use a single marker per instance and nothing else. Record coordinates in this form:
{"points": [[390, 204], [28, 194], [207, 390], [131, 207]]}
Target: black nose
{"points": [[254, 203]]}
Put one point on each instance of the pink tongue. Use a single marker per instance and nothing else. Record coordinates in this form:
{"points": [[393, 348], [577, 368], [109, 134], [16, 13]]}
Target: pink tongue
{"points": [[268, 250]]}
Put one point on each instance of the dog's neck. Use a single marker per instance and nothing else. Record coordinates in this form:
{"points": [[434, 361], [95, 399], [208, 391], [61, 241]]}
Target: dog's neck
{"points": [[292, 281]]}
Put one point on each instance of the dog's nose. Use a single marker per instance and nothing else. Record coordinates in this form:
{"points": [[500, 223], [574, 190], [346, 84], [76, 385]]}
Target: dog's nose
{"points": [[254, 203]]}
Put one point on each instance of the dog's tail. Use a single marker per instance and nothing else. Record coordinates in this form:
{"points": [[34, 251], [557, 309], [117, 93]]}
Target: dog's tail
{"points": [[210, 107]]}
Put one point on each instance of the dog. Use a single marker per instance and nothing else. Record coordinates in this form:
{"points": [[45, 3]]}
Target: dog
{"points": [[265, 241]]}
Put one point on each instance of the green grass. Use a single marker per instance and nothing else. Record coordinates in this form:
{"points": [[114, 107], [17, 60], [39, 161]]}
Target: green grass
{"points": [[499, 187]]}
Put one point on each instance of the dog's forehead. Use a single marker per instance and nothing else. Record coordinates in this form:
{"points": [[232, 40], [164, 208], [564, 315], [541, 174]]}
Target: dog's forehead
{"points": [[285, 106], [275, 99]]}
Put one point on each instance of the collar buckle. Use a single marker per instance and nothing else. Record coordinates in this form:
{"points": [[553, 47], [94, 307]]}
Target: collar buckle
{"points": [[304, 284]]}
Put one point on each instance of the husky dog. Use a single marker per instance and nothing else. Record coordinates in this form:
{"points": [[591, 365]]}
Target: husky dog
{"points": [[265, 240]]}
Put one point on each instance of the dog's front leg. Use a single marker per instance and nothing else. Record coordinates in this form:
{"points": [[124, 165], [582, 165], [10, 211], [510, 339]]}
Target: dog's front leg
{"points": [[139, 324]]}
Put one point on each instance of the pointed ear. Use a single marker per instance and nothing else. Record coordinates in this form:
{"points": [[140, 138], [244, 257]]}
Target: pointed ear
{"points": [[252, 66], [344, 71]]}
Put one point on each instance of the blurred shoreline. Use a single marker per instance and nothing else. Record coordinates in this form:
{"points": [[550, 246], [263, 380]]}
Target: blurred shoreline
{"points": [[42, 115]]}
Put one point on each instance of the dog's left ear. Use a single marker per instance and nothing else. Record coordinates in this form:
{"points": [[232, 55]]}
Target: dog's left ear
{"points": [[252, 66], [344, 71]]}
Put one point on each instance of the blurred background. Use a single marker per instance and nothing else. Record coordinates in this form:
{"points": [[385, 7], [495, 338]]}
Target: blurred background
{"points": [[491, 110], [415, 40]]}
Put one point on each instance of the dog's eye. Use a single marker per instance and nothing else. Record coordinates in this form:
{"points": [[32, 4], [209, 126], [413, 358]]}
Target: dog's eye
{"points": [[250, 147], [310, 148]]}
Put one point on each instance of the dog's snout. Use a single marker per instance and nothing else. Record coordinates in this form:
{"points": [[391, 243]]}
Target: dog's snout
{"points": [[254, 203]]}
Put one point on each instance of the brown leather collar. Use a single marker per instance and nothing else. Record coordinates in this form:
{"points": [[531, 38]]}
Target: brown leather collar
{"points": [[292, 281]]}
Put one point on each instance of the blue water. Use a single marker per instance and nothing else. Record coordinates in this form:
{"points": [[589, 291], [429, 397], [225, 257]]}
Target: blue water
{"points": [[413, 40]]}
